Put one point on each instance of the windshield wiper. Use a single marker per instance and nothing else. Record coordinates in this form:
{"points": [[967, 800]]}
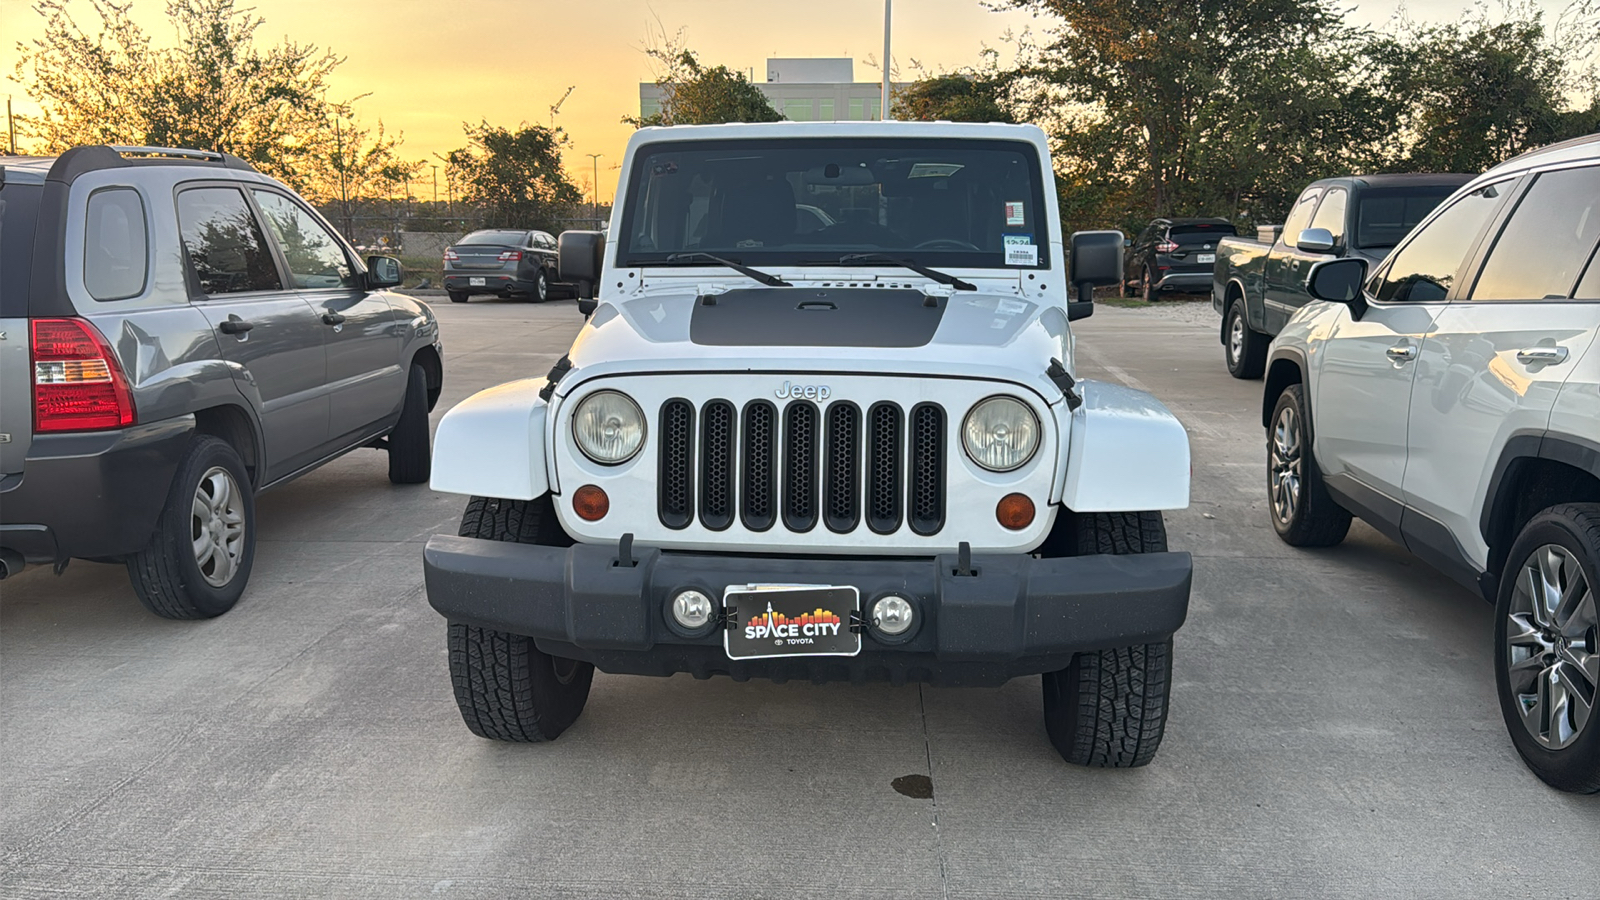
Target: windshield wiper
{"points": [[924, 271], [765, 278]]}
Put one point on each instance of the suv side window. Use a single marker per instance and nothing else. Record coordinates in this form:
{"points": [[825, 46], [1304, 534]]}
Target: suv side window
{"points": [[227, 251], [1547, 240], [1331, 215], [1300, 219], [1424, 269], [116, 242], [314, 256]]}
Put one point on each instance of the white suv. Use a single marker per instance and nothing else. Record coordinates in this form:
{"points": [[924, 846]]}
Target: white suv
{"points": [[1452, 400]]}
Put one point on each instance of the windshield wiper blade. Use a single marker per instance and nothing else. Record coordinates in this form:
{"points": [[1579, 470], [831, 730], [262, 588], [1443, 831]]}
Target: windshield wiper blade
{"points": [[765, 278], [924, 271]]}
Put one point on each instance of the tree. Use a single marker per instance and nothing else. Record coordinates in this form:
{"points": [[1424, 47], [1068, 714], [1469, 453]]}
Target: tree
{"points": [[514, 177], [1478, 91], [215, 90], [692, 94], [953, 97]]}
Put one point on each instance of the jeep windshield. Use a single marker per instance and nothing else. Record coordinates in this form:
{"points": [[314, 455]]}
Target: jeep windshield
{"points": [[811, 201]]}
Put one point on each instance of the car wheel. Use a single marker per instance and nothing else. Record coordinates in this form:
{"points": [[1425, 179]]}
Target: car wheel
{"points": [[1547, 649], [1147, 285], [1303, 513], [507, 688], [541, 287], [458, 296], [1109, 707], [410, 455], [200, 555], [1244, 348], [1130, 288]]}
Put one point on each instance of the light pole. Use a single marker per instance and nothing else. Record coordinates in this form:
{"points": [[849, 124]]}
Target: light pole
{"points": [[435, 189], [883, 110], [595, 187]]}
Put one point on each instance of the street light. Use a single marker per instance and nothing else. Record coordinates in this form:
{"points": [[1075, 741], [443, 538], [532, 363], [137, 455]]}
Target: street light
{"points": [[595, 188]]}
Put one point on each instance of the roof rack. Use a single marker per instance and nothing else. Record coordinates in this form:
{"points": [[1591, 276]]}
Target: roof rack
{"points": [[206, 155]]}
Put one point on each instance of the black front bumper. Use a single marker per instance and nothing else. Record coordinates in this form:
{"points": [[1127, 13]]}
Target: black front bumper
{"points": [[93, 493], [1016, 616]]}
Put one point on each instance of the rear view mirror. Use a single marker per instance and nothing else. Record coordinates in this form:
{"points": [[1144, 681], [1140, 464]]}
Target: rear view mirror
{"points": [[1095, 261], [384, 271], [1315, 240], [581, 254], [1339, 281]]}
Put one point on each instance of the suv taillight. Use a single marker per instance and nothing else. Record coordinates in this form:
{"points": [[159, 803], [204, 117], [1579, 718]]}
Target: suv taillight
{"points": [[77, 383], [1166, 247], [511, 256], [450, 256]]}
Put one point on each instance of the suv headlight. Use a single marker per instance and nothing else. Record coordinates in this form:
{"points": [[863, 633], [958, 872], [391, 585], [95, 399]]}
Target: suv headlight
{"points": [[608, 427], [1000, 433]]}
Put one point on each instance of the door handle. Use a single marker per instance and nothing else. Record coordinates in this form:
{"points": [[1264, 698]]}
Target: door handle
{"points": [[234, 325], [1402, 352], [1547, 355], [333, 318]]}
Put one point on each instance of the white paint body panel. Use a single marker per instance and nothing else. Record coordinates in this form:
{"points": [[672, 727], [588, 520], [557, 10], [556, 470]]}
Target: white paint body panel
{"points": [[492, 444], [1128, 452]]}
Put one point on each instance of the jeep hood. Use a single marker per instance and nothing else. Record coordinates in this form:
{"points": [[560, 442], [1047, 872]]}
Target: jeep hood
{"points": [[876, 331]]}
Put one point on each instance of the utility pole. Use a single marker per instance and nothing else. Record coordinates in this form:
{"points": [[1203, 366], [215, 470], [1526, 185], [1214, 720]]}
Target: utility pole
{"points": [[11, 125], [595, 196], [435, 190], [344, 196], [883, 111]]}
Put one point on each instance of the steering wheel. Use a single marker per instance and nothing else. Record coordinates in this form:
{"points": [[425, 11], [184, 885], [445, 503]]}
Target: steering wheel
{"points": [[945, 244]]}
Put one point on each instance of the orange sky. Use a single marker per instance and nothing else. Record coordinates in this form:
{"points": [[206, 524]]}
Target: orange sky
{"points": [[430, 65]]}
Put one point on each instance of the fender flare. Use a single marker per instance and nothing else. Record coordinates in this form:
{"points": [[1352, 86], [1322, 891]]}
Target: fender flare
{"points": [[1127, 453], [492, 444]]}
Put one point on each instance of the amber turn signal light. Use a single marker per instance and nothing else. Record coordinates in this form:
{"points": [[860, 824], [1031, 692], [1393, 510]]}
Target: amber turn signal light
{"points": [[591, 503], [1015, 511]]}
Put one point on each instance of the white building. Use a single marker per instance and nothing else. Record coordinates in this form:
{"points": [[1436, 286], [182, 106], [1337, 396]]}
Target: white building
{"points": [[805, 90]]}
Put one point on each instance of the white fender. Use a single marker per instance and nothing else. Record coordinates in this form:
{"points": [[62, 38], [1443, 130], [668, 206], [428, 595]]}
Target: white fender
{"points": [[1128, 453], [492, 444]]}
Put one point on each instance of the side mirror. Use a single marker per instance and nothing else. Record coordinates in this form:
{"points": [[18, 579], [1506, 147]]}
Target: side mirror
{"points": [[1127, 242], [581, 259], [1315, 240], [1095, 261], [1340, 281], [384, 272]]}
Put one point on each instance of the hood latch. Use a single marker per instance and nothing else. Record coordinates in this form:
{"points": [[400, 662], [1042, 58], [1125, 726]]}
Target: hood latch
{"points": [[1058, 374]]}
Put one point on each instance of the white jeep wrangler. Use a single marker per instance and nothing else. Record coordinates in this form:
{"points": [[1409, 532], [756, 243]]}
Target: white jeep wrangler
{"points": [[823, 423]]}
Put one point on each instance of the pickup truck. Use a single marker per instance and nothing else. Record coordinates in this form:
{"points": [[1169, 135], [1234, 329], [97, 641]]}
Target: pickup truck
{"points": [[1259, 283]]}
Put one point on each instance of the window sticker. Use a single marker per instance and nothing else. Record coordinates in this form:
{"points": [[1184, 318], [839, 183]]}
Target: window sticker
{"points": [[1014, 213], [1022, 255], [1009, 239]]}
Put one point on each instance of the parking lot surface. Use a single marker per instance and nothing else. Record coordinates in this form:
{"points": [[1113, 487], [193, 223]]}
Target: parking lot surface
{"points": [[1334, 728]]}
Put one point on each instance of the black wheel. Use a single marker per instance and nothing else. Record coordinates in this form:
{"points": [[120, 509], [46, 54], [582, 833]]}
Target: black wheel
{"points": [[458, 296], [541, 287], [1130, 288], [410, 455], [507, 688], [1547, 646], [1302, 512], [1109, 707], [1147, 285], [1244, 348], [205, 540]]}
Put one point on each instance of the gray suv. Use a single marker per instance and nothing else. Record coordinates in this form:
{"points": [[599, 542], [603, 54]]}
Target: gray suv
{"points": [[178, 333]]}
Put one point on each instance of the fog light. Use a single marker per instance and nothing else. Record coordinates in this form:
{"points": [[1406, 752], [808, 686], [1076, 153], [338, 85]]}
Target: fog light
{"points": [[590, 503], [893, 615], [1014, 511], [692, 610]]}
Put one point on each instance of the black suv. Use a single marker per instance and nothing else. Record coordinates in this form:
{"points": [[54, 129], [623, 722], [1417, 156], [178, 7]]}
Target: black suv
{"points": [[1173, 254], [178, 333]]}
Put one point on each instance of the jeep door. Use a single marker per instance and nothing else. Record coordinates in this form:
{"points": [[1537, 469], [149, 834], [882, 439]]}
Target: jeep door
{"points": [[270, 334], [1363, 385], [364, 381], [1498, 354]]}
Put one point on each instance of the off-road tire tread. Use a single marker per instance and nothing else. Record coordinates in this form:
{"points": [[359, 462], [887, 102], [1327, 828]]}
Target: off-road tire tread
{"points": [[157, 573], [1252, 362], [1321, 522], [410, 454]]}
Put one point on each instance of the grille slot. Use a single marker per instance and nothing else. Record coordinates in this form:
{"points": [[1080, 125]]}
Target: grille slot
{"points": [[842, 477], [800, 466], [759, 466], [676, 487], [885, 450], [926, 501], [716, 465]]}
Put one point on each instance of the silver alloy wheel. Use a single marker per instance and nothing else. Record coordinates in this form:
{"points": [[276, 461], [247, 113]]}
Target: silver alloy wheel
{"points": [[216, 526], [1551, 647], [1236, 339], [541, 286], [1283, 470]]}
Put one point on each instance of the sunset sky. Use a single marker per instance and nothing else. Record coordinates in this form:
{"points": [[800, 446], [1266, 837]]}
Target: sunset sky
{"points": [[430, 65]]}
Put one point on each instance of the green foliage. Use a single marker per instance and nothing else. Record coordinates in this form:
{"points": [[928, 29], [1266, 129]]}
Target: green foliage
{"points": [[953, 97], [693, 94], [515, 178]]}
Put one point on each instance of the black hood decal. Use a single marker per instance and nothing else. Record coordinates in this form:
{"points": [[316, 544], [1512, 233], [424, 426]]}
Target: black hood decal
{"points": [[806, 317]]}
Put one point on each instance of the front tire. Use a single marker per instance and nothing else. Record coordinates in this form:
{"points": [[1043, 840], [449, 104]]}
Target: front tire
{"points": [[457, 296], [1244, 348], [1302, 512], [507, 688], [410, 455], [1546, 644], [1109, 707], [199, 559], [541, 287]]}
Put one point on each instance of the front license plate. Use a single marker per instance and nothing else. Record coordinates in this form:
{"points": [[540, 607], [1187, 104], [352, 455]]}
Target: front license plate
{"points": [[791, 620], [477, 282], [1205, 257]]}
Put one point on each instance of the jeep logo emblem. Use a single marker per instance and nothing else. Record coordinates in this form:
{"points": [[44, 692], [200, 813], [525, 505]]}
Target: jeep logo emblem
{"points": [[804, 392]]}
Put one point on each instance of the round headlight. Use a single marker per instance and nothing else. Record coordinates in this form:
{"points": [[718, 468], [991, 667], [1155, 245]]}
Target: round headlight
{"points": [[1000, 433], [608, 427]]}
